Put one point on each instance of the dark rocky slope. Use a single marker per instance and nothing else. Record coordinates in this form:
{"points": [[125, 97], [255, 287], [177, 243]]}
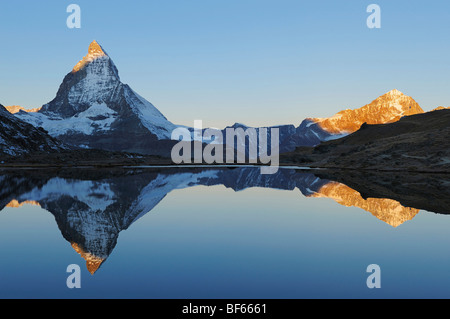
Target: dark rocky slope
{"points": [[18, 138]]}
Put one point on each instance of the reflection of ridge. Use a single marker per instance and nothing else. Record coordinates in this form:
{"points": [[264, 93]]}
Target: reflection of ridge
{"points": [[93, 262], [428, 192], [12, 185], [387, 210], [15, 203]]}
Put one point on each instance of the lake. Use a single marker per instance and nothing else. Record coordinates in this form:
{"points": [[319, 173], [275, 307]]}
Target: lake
{"points": [[228, 233]]}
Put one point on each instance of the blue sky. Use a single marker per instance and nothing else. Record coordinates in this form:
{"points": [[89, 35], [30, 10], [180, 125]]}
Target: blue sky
{"points": [[256, 62]]}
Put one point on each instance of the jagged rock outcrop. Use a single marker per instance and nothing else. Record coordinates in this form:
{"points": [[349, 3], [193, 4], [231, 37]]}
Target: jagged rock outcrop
{"points": [[19, 138]]}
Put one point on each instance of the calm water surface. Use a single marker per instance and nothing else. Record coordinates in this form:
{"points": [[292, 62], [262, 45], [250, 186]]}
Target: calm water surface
{"points": [[212, 233]]}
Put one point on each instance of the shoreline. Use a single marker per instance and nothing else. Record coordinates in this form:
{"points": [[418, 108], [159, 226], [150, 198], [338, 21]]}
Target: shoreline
{"points": [[166, 165]]}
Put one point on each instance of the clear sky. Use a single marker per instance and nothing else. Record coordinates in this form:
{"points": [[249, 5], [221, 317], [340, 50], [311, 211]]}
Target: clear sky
{"points": [[257, 62]]}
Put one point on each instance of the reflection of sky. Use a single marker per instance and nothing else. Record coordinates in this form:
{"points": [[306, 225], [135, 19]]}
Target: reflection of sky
{"points": [[213, 242]]}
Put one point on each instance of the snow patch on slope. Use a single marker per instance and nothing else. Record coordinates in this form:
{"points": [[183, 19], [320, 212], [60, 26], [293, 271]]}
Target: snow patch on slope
{"points": [[98, 117], [97, 195]]}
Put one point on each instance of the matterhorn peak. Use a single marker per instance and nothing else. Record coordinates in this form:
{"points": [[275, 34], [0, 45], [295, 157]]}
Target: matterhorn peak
{"points": [[95, 51], [94, 109]]}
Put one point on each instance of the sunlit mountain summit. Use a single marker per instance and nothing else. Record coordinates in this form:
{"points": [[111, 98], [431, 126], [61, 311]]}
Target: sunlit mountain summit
{"points": [[388, 108]]}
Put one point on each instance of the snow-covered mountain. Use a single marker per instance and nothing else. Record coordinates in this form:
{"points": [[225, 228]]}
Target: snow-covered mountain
{"points": [[94, 109], [18, 137]]}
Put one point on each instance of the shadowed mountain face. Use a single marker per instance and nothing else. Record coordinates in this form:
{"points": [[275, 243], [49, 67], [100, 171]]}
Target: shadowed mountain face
{"points": [[92, 207]]}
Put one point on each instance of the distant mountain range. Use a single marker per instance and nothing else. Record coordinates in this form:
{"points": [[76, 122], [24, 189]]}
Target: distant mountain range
{"points": [[93, 109]]}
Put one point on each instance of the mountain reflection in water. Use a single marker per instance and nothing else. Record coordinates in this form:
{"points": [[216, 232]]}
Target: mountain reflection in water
{"points": [[91, 207]]}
